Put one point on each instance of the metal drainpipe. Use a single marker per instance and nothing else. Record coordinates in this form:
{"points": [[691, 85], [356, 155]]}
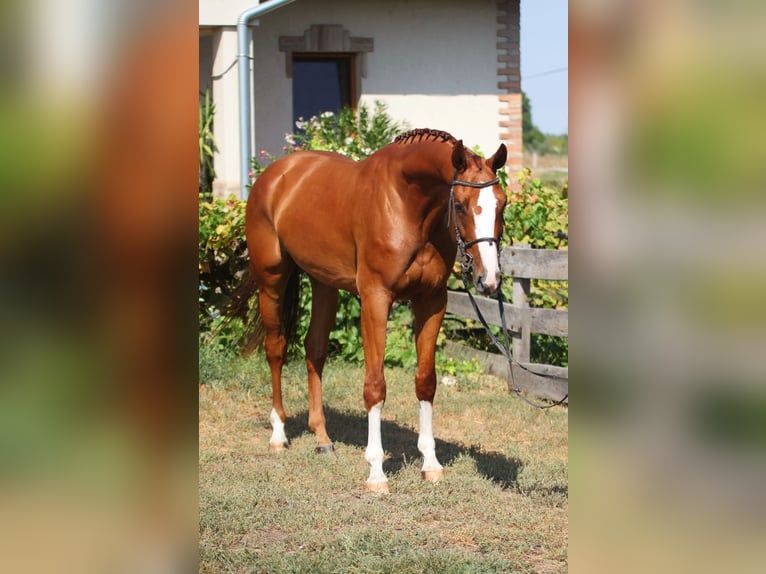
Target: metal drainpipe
{"points": [[243, 48]]}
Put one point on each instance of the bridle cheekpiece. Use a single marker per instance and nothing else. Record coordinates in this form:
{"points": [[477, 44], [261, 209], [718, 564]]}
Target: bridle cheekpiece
{"points": [[466, 258]]}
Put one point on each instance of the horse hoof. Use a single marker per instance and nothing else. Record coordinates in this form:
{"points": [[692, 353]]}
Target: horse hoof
{"points": [[376, 487], [278, 446], [432, 475], [325, 449]]}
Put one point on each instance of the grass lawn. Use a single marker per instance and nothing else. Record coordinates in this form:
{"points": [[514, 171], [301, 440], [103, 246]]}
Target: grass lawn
{"points": [[502, 506]]}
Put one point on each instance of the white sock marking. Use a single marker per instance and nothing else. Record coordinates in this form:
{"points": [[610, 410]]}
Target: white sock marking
{"points": [[278, 434], [484, 224], [374, 453], [426, 443]]}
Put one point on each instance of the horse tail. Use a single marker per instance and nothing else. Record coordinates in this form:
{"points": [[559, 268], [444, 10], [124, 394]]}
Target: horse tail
{"points": [[240, 306], [291, 306]]}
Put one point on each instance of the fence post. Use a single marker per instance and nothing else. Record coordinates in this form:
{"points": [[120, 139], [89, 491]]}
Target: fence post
{"points": [[521, 338]]}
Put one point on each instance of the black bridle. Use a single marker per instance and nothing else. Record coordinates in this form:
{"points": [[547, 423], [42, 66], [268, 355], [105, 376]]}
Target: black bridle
{"points": [[466, 259], [466, 264]]}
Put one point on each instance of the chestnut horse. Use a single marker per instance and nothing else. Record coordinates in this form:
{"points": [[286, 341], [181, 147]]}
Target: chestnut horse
{"points": [[386, 228]]}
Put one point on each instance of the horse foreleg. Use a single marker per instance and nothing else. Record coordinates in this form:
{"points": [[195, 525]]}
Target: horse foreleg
{"points": [[429, 313], [375, 308], [276, 347], [324, 304]]}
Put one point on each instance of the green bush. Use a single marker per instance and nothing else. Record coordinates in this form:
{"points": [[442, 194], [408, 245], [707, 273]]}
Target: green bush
{"points": [[355, 134], [221, 255], [539, 216]]}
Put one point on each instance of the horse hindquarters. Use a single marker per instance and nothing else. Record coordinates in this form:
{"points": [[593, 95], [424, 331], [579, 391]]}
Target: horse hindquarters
{"points": [[278, 281]]}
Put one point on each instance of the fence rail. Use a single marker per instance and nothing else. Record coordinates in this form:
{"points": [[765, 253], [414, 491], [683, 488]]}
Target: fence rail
{"points": [[522, 264]]}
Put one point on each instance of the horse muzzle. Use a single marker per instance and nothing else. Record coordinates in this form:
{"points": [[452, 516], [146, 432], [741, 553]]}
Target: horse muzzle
{"points": [[487, 286]]}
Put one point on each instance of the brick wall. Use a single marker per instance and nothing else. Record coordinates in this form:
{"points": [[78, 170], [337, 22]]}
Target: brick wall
{"points": [[509, 83]]}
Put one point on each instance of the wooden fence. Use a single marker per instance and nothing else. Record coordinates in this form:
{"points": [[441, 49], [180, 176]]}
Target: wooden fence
{"points": [[521, 264]]}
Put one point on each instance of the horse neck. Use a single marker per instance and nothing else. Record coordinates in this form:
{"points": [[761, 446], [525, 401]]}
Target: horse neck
{"points": [[428, 165], [427, 169]]}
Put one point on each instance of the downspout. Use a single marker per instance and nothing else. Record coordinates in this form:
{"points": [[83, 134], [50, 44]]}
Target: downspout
{"points": [[243, 49]]}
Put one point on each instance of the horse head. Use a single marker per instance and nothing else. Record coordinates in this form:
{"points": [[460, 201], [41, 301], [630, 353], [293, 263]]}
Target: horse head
{"points": [[476, 209]]}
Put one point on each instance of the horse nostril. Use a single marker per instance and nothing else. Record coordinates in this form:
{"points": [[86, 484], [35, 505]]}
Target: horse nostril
{"points": [[484, 288], [488, 288]]}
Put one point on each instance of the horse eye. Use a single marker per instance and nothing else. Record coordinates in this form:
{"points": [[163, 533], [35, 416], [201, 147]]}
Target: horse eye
{"points": [[459, 208]]}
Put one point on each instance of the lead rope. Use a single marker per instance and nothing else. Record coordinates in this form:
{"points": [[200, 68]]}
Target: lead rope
{"points": [[503, 346]]}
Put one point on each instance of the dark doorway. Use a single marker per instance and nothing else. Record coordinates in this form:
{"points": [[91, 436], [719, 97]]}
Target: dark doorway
{"points": [[321, 83]]}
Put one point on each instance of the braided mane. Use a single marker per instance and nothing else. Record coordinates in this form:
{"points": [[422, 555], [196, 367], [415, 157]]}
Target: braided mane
{"points": [[423, 134]]}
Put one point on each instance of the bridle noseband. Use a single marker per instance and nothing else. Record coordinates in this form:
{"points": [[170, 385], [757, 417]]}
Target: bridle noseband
{"points": [[463, 246]]}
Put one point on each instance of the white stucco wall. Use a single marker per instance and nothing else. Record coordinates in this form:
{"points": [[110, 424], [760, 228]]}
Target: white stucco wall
{"points": [[434, 65]]}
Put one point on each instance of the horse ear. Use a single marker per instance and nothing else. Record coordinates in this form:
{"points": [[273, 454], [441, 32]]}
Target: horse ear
{"points": [[458, 157], [498, 160]]}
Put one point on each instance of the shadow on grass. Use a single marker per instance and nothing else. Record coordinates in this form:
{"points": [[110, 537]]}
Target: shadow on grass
{"points": [[401, 443]]}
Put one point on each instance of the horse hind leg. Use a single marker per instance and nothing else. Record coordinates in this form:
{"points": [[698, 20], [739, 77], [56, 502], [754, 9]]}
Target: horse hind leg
{"points": [[324, 304], [272, 303], [276, 349]]}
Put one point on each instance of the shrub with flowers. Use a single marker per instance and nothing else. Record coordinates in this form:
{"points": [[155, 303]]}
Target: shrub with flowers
{"points": [[222, 255], [355, 134]]}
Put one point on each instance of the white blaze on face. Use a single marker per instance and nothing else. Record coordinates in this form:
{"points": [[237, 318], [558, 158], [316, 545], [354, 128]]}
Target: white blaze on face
{"points": [[484, 224]]}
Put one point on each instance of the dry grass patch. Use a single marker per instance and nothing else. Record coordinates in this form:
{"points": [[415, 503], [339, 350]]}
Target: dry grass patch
{"points": [[502, 506]]}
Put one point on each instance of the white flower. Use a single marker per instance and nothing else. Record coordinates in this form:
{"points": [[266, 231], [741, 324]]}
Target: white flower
{"points": [[327, 114], [349, 140]]}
